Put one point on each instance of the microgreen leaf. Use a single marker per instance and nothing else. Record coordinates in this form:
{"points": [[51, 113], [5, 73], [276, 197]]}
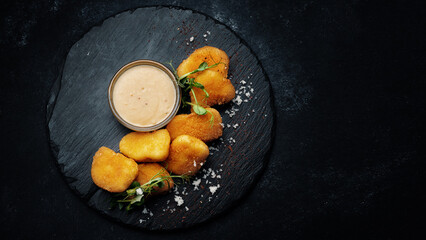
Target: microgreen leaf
{"points": [[211, 121], [203, 66], [205, 92], [199, 110], [136, 199], [198, 85]]}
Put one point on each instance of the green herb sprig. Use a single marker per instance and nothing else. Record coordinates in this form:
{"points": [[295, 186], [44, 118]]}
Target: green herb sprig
{"points": [[187, 85], [136, 194]]}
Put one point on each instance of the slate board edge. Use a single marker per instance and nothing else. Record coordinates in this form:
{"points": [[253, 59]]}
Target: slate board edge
{"points": [[56, 87]]}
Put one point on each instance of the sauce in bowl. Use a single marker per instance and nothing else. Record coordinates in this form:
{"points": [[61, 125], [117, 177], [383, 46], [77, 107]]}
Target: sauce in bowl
{"points": [[144, 95]]}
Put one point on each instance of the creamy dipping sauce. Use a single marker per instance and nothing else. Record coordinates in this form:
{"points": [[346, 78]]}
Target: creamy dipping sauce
{"points": [[144, 95]]}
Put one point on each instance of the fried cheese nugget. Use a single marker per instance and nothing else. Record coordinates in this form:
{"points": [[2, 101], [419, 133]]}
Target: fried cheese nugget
{"points": [[147, 171], [113, 171], [196, 125], [220, 89], [146, 146], [208, 54], [187, 155]]}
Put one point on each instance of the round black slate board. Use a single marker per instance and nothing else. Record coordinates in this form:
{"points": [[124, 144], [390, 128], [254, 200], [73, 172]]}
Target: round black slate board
{"points": [[80, 120]]}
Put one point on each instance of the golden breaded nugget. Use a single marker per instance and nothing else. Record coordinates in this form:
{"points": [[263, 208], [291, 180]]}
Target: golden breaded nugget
{"points": [[196, 125], [208, 54], [148, 170], [220, 89], [113, 171], [187, 155], [146, 147]]}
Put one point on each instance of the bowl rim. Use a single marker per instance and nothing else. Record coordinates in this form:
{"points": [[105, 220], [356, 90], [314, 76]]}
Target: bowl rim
{"points": [[166, 120]]}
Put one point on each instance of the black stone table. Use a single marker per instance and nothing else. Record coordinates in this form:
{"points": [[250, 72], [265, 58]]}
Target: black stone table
{"points": [[80, 120]]}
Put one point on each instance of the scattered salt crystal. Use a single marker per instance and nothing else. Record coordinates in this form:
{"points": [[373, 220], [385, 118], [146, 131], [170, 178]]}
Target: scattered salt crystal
{"points": [[243, 82], [235, 125], [238, 100], [139, 192], [145, 211], [186, 208], [213, 189], [213, 148], [228, 125], [208, 32], [142, 220], [195, 164], [232, 112], [247, 94], [179, 200], [205, 35], [196, 183], [191, 39]]}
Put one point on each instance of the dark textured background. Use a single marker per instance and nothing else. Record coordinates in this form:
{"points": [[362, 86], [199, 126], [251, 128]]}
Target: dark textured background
{"points": [[348, 79]]}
